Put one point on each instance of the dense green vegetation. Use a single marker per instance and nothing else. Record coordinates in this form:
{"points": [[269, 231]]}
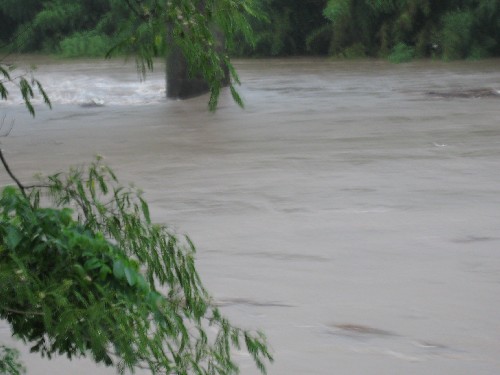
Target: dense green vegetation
{"points": [[398, 29], [71, 28], [451, 29]]}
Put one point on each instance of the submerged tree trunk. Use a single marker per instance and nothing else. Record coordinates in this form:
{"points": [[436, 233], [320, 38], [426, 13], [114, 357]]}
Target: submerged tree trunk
{"points": [[179, 84]]}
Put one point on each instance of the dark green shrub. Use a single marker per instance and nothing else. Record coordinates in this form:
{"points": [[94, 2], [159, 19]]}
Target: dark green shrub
{"points": [[85, 44], [355, 51], [401, 53]]}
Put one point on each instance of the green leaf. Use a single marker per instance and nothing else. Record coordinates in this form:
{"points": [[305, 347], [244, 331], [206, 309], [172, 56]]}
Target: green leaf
{"points": [[5, 73], [80, 270], [142, 283], [44, 94], [92, 264], [131, 276], [119, 269], [145, 210], [4, 93], [236, 96], [13, 237], [104, 271]]}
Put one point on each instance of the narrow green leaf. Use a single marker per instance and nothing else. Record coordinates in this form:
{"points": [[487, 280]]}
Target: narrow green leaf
{"points": [[5, 73], [131, 276], [236, 96], [145, 210], [4, 93], [44, 94]]}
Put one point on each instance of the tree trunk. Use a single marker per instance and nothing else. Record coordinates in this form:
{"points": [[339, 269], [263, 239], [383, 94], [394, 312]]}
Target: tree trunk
{"points": [[179, 84]]}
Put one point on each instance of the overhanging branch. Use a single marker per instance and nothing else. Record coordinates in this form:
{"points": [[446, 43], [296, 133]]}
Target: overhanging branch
{"points": [[7, 169]]}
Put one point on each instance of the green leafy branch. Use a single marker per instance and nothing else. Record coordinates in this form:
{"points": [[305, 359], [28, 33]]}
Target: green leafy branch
{"points": [[91, 275], [9, 361], [25, 85]]}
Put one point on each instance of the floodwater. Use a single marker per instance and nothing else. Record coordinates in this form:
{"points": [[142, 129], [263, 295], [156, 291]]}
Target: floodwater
{"points": [[351, 210]]}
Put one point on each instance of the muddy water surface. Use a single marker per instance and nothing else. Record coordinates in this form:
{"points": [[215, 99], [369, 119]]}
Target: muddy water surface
{"points": [[351, 210]]}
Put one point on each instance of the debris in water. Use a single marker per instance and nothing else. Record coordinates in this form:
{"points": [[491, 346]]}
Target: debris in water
{"points": [[472, 93], [93, 103], [362, 330]]}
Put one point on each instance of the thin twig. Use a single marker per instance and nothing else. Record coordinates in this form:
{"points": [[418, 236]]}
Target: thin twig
{"points": [[2, 123], [14, 311], [37, 186], [18, 183]]}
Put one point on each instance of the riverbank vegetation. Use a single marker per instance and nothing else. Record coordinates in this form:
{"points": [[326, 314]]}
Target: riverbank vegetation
{"points": [[451, 29], [394, 29]]}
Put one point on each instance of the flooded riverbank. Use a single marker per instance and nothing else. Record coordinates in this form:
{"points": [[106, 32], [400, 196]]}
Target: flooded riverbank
{"points": [[345, 211]]}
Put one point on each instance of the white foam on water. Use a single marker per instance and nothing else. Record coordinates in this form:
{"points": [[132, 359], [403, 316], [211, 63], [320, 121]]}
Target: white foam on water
{"points": [[106, 84]]}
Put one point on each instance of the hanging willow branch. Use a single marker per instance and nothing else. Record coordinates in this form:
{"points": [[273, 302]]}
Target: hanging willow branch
{"points": [[107, 283]]}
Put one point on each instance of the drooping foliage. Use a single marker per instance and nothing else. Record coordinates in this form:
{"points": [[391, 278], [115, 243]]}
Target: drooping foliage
{"points": [[27, 84], [91, 275], [193, 26]]}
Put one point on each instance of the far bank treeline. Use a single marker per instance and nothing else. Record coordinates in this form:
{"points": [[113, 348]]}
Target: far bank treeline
{"points": [[396, 29]]}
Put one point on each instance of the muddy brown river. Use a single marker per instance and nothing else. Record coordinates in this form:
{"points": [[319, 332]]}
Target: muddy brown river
{"points": [[351, 210]]}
